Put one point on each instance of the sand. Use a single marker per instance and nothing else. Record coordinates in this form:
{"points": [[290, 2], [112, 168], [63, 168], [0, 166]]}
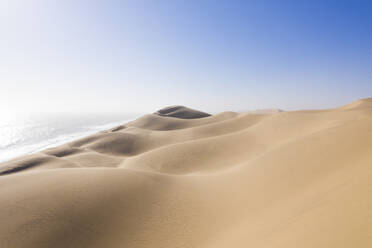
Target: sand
{"points": [[184, 178]]}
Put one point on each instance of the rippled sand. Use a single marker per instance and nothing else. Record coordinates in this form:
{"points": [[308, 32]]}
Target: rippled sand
{"points": [[184, 178]]}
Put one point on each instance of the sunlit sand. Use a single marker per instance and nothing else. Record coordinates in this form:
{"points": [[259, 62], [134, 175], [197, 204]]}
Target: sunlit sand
{"points": [[184, 178]]}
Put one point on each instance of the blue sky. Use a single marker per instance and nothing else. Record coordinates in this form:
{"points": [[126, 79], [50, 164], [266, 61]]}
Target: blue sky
{"points": [[133, 56]]}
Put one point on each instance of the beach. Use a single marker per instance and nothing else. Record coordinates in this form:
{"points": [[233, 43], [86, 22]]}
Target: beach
{"points": [[29, 133], [181, 177]]}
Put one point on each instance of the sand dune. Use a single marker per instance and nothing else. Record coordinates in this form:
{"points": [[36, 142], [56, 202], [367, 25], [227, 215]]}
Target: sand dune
{"points": [[184, 178]]}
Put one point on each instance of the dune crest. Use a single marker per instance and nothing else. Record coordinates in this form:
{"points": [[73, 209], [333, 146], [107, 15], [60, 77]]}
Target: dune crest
{"points": [[181, 112], [184, 178], [360, 104]]}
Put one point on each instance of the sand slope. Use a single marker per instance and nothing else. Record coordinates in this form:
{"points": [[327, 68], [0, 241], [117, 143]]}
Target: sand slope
{"points": [[183, 178]]}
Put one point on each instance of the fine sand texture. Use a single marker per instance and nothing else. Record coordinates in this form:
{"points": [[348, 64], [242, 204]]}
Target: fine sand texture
{"points": [[184, 178]]}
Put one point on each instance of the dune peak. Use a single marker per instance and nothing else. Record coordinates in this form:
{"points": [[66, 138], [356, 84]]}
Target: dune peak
{"points": [[181, 112], [361, 103]]}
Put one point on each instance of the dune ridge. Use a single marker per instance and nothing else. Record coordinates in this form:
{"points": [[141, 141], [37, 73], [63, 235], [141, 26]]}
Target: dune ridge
{"points": [[184, 178]]}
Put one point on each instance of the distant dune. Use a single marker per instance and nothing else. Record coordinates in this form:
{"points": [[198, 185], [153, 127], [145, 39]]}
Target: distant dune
{"points": [[184, 178]]}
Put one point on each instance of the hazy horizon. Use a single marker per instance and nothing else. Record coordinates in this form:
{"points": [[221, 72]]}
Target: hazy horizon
{"points": [[139, 56]]}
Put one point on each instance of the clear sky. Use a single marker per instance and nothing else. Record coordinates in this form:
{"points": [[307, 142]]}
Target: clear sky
{"points": [[212, 55]]}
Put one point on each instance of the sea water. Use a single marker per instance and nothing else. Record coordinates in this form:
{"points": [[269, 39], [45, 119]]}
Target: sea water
{"points": [[29, 133]]}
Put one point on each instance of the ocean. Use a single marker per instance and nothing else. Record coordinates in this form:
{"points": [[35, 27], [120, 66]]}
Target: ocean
{"points": [[29, 133]]}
